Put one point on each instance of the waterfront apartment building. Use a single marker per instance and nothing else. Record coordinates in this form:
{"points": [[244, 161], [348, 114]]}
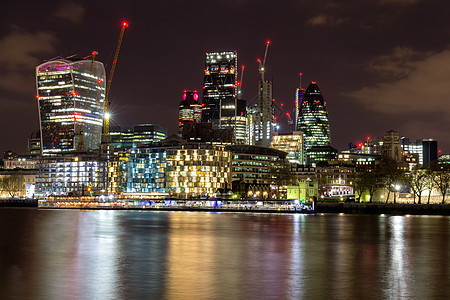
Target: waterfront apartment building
{"points": [[70, 97], [77, 174], [425, 149]]}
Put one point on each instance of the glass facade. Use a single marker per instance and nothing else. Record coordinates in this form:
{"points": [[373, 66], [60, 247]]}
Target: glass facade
{"points": [[220, 84], [144, 170], [313, 119], [70, 98]]}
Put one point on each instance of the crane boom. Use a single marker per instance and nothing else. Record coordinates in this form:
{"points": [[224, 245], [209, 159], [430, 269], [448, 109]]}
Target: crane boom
{"points": [[111, 75], [262, 63], [241, 80]]}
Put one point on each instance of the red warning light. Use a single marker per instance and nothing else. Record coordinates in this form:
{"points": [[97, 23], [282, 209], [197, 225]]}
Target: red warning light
{"points": [[238, 83], [258, 60], [275, 118], [99, 81], [301, 74], [243, 67], [268, 42], [439, 151], [125, 24], [37, 96], [282, 104], [74, 93], [313, 82], [287, 114], [359, 145], [368, 138], [94, 52]]}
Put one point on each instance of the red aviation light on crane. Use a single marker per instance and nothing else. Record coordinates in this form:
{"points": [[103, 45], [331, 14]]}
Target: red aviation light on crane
{"points": [[313, 82], [243, 67], [282, 104], [94, 52], [287, 114], [99, 81], [37, 96], [275, 118], [258, 60], [439, 151], [368, 138], [238, 83], [301, 74], [125, 24], [359, 145], [268, 42]]}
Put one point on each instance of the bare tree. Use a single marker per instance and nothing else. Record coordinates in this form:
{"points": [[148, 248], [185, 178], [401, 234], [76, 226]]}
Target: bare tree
{"points": [[417, 180], [12, 184], [391, 174], [441, 177]]}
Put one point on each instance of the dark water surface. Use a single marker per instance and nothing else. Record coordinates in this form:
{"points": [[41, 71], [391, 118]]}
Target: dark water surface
{"points": [[64, 254]]}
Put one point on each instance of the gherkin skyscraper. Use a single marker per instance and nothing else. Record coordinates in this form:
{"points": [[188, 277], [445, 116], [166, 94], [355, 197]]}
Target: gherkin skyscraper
{"points": [[313, 118]]}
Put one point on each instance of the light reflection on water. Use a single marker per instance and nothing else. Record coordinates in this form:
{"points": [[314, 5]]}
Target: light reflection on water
{"points": [[48, 254]]}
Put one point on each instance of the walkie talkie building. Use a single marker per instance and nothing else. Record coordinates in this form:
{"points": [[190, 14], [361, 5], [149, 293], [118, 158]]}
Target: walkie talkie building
{"points": [[70, 96]]}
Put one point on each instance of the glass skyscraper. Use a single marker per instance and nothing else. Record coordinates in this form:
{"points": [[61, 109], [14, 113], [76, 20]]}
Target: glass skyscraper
{"points": [[70, 96], [219, 85], [313, 118]]}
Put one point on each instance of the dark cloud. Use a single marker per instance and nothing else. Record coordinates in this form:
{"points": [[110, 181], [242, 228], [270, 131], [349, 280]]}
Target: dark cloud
{"points": [[70, 10]]}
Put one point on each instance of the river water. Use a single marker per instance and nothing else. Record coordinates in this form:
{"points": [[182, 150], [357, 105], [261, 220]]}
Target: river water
{"points": [[70, 254]]}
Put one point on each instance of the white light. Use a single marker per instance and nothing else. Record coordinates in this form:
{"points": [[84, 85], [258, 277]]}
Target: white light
{"points": [[107, 115]]}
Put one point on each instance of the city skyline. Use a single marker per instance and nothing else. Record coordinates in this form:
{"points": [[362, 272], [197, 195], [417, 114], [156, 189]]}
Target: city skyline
{"points": [[370, 87]]}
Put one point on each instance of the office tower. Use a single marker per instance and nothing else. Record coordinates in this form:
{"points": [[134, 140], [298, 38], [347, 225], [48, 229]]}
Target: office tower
{"points": [[299, 94], [264, 118], [234, 116], [140, 134], [190, 110], [425, 149], [220, 84], [70, 98], [313, 119]]}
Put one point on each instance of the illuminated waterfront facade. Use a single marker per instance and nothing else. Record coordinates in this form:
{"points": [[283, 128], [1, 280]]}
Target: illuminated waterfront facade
{"points": [[292, 143], [265, 125], [70, 97], [77, 174], [144, 170], [313, 119], [194, 170], [255, 164], [190, 110]]}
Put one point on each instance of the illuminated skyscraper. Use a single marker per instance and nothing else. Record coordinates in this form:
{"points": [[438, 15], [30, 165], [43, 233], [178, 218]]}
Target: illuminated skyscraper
{"points": [[299, 94], [313, 119], [190, 111], [70, 98], [219, 85]]}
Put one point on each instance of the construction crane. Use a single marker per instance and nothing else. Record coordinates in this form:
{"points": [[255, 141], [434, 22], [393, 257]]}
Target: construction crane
{"points": [[239, 83], [262, 63], [108, 84]]}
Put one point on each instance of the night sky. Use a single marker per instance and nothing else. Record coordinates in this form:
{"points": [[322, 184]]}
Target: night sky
{"points": [[381, 65]]}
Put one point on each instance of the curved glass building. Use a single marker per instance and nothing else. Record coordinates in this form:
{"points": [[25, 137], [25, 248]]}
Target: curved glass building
{"points": [[313, 118], [70, 96]]}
